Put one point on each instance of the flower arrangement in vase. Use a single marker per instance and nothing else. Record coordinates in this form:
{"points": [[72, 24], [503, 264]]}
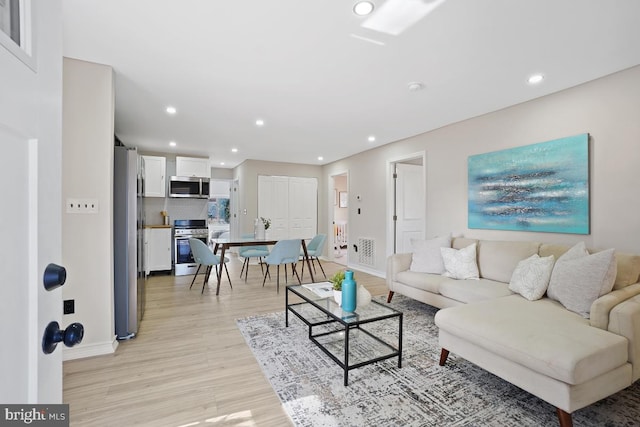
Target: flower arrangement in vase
{"points": [[266, 222]]}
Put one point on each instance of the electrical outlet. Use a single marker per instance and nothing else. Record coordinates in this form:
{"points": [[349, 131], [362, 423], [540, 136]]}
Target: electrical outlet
{"points": [[83, 206], [69, 306]]}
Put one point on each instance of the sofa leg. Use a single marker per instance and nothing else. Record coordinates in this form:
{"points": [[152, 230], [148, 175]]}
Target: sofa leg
{"points": [[564, 418], [443, 356], [390, 296]]}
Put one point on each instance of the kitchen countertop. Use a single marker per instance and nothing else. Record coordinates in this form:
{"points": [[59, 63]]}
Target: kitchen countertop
{"points": [[157, 226]]}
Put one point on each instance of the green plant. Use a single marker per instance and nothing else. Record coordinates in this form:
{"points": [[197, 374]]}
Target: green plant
{"points": [[337, 279], [266, 222]]}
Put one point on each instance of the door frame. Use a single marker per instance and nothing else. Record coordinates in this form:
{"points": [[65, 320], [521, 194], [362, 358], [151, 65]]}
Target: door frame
{"points": [[331, 213], [391, 196]]}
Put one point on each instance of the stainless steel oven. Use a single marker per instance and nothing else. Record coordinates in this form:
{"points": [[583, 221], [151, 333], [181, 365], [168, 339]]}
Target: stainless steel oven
{"points": [[183, 229]]}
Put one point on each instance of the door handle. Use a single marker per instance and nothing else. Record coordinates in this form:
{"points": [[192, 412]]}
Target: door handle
{"points": [[53, 335]]}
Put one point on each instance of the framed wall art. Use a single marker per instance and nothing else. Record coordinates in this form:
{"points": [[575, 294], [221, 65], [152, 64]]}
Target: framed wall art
{"points": [[541, 187]]}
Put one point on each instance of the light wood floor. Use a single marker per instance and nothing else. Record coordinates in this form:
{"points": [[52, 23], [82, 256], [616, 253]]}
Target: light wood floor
{"points": [[189, 364]]}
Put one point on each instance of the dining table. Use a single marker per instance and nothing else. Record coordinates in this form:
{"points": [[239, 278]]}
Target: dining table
{"points": [[226, 243]]}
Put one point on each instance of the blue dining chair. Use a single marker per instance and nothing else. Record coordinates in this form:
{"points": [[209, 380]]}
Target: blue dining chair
{"points": [[247, 252], [283, 252], [203, 256], [315, 248]]}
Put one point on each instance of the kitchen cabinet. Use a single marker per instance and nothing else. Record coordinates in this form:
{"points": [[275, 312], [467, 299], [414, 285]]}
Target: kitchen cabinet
{"points": [[157, 249], [192, 166], [155, 176]]}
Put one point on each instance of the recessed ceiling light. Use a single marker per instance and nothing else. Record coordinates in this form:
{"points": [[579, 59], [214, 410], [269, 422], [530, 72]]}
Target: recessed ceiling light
{"points": [[259, 122], [320, 158], [415, 86], [371, 138], [172, 143], [171, 110], [234, 150], [221, 163], [363, 8], [535, 79]]}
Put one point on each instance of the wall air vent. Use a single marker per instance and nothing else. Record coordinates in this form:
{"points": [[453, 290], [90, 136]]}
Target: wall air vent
{"points": [[366, 251]]}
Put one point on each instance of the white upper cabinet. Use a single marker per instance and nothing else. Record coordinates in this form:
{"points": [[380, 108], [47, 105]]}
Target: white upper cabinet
{"points": [[155, 176], [192, 166]]}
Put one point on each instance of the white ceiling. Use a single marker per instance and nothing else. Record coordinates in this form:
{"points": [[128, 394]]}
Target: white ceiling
{"points": [[321, 81]]}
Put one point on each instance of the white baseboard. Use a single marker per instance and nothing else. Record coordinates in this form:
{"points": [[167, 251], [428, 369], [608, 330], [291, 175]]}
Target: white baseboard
{"points": [[370, 271], [89, 350]]}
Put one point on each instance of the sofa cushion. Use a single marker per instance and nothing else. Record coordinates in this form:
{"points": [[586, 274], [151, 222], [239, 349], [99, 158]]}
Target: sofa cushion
{"points": [[468, 291], [628, 264], [497, 259], [578, 279], [424, 281], [460, 263], [573, 353], [426, 256], [531, 277], [462, 242]]}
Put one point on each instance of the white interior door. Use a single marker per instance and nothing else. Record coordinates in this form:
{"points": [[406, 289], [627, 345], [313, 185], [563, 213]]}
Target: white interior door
{"points": [[291, 203], [410, 205], [235, 212], [31, 141], [303, 207], [273, 203]]}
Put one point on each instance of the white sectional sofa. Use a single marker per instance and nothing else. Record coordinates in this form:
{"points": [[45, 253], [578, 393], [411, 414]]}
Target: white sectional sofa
{"points": [[567, 358]]}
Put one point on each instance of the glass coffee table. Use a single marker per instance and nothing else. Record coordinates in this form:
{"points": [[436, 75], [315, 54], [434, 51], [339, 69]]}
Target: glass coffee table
{"points": [[343, 335]]}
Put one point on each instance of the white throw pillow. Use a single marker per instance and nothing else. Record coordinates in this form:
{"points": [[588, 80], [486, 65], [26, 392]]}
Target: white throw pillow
{"points": [[578, 279], [460, 264], [531, 276], [426, 257]]}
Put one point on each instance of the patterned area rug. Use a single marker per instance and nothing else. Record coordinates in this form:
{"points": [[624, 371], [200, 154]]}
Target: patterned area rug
{"points": [[421, 393]]}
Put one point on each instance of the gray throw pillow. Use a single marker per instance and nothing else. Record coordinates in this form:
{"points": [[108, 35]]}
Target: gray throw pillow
{"points": [[531, 277], [578, 279], [426, 257]]}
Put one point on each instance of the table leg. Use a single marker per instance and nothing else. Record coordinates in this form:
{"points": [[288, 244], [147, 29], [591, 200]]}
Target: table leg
{"points": [[306, 259], [400, 342], [222, 251], [286, 308], [346, 356]]}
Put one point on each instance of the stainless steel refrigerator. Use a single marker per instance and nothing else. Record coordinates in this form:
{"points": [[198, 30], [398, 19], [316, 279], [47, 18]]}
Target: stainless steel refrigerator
{"points": [[128, 226]]}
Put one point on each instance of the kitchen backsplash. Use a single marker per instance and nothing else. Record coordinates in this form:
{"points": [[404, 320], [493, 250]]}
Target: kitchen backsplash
{"points": [[175, 207]]}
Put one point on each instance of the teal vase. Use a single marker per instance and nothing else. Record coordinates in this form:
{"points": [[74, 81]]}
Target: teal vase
{"points": [[349, 292]]}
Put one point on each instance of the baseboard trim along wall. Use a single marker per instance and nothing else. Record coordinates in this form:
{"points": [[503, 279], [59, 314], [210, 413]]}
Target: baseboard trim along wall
{"points": [[90, 350]]}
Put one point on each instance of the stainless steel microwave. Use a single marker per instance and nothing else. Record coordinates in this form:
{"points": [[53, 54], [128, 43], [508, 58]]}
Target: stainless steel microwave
{"points": [[189, 186]]}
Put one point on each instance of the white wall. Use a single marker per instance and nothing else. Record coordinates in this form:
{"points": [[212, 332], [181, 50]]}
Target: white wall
{"points": [[87, 172], [247, 176], [608, 109]]}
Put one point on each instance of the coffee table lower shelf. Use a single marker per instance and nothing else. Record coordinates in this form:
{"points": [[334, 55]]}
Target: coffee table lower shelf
{"points": [[341, 335]]}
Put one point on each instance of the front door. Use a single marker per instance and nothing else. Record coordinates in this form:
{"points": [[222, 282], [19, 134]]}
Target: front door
{"points": [[31, 140]]}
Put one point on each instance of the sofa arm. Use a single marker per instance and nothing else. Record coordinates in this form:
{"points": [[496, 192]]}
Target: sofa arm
{"points": [[395, 264], [625, 321], [601, 308]]}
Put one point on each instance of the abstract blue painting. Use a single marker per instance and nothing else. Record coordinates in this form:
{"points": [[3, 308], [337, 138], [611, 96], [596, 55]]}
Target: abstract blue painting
{"points": [[539, 187]]}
